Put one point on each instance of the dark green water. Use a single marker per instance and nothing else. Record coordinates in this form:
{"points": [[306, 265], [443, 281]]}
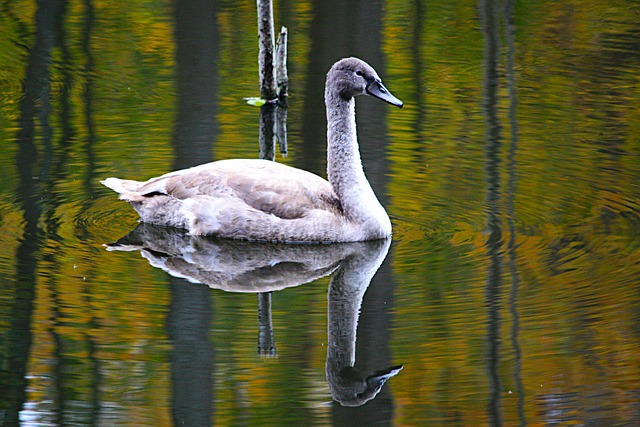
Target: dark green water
{"points": [[509, 293]]}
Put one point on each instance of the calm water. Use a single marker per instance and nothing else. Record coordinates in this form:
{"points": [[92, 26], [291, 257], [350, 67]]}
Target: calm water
{"points": [[509, 295]]}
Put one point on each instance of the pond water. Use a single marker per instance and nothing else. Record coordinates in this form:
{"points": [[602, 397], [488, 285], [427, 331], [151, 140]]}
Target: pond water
{"points": [[509, 294]]}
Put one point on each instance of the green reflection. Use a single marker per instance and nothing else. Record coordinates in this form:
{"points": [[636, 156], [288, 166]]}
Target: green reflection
{"points": [[91, 89]]}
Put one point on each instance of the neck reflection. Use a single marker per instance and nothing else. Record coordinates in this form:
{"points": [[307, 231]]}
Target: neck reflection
{"points": [[238, 266]]}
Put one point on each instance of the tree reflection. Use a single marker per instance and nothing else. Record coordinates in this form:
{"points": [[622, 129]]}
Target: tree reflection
{"points": [[34, 169], [491, 17], [195, 128], [493, 297]]}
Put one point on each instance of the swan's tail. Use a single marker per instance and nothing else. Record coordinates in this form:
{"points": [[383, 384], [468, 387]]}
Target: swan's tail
{"points": [[128, 189]]}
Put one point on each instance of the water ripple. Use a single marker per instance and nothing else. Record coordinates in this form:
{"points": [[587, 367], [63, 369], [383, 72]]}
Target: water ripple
{"points": [[107, 218]]}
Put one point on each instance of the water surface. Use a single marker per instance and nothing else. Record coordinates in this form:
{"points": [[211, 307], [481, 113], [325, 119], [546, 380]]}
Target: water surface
{"points": [[509, 294]]}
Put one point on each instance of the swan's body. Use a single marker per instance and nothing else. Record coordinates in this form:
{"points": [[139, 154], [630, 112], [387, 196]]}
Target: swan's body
{"points": [[264, 200]]}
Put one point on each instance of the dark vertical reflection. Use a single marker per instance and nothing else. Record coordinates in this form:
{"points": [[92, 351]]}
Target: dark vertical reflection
{"points": [[196, 37], [419, 68], [64, 365], [94, 404], [311, 155], [192, 354], [190, 310], [60, 361], [490, 25], [373, 346], [371, 114], [266, 340], [510, 207], [355, 30], [34, 111], [89, 70], [268, 131]]}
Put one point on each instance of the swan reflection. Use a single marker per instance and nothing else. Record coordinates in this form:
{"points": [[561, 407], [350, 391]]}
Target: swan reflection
{"points": [[238, 266]]}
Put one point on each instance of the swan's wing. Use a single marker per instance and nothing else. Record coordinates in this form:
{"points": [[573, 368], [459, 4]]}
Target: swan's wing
{"points": [[263, 185]]}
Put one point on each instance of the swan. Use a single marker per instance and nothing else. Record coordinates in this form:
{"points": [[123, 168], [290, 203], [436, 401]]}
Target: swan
{"points": [[260, 200]]}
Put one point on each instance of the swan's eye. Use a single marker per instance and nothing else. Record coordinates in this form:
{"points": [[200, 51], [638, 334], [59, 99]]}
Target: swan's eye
{"points": [[359, 73]]}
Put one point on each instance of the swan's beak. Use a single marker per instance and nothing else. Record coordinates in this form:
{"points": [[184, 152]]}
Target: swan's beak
{"points": [[377, 379], [377, 89]]}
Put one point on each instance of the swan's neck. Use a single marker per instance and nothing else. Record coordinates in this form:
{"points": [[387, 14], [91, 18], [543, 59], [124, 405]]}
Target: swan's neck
{"points": [[345, 299], [344, 166]]}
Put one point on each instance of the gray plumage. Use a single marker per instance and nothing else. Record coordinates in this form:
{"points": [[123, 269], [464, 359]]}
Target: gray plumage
{"points": [[255, 199]]}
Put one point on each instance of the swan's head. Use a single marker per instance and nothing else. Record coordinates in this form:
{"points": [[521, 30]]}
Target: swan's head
{"points": [[351, 77]]}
